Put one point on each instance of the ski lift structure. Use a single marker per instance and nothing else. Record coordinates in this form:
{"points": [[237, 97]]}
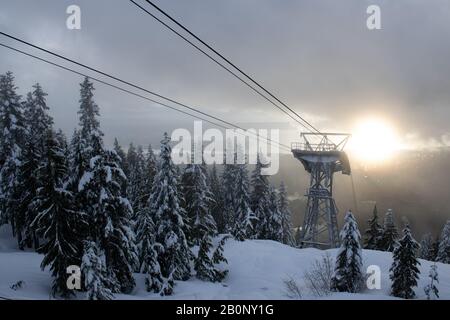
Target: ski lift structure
{"points": [[322, 155]]}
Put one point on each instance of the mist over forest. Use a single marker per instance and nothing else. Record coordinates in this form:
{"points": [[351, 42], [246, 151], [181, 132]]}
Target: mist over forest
{"points": [[415, 184]]}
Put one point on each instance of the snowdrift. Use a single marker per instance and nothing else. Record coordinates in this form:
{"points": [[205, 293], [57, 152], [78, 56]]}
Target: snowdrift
{"points": [[258, 269]]}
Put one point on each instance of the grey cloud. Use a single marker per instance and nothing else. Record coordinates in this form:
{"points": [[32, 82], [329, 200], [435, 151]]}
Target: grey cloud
{"points": [[317, 55]]}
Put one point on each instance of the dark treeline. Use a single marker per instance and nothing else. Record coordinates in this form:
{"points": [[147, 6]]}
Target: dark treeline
{"points": [[114, 213]]}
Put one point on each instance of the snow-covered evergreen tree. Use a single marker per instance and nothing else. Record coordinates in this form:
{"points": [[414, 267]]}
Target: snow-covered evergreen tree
{"points": [[374, 233], [90, 126], [245, 221], [165, 205], [404, 272], [390, 233], [136, 175], [94, 274], [286, 217], [426, 247], [100, 194], [208, 262], [56, 217], [86, 144], [217, 206], [260, 202], [348, 272], [443, 254], [203, 265], [274, 227], [198, 204], [38, 123], [62, 142], [12, 133], [148, 251], [123, 157], [111, 223], [435, 248], [229, 201], [219, 259], [150, 168], [431, 290]]}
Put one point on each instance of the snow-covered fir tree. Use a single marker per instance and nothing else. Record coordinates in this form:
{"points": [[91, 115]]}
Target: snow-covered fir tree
{"points": [[203, 227], [217, 205], [12, 133], [148, 250], [90, 126], [245, 221], [443, 254], [431, 289], [56, 217], [260, 203], [286, 218], [38, 123], [111, 226], [435, 248], [94, 273], [348, 271], [198, 200], [426, 247], [404, 272], [229, 201], [136, 177], [100, 194], [150, 168], [219, 259], [186, 187], [374, 233], [62, 142], [122, 155], [165, 205], [207, 263], [86, 144], [390, 233], [274, 221]]}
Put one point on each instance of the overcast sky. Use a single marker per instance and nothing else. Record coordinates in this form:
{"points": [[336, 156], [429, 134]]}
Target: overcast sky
{"points": [[317, 55]]}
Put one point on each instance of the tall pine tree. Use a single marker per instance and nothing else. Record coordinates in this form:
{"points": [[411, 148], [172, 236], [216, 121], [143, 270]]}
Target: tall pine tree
{"points": [[348, 272], [426, 247], [12, 133], [148, 251], [260, 202], [56, 217], [390, 233], [443, 254], [217, 206], [286, 221], [274, 220], [245, 221], [404, 272], [229, 201], [111, 225], [165, 204], [38, 124], [374, 233]]}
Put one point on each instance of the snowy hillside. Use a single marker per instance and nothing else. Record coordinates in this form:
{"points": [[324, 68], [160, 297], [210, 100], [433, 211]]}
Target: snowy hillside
{"points": [[257, 271]]}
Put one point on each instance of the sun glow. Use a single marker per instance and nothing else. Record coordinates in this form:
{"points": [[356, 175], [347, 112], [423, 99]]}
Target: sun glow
{"points": [[374, 141]]}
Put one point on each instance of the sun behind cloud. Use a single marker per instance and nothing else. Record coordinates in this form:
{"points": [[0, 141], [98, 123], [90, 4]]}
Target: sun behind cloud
{"points": [[374, 141]]}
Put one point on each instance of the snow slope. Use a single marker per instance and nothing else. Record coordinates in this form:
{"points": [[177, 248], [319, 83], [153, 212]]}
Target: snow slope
{"points": [[257, 270]]}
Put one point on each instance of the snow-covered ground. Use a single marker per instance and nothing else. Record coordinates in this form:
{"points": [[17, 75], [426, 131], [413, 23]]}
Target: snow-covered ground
{"points": [[257, 271]]}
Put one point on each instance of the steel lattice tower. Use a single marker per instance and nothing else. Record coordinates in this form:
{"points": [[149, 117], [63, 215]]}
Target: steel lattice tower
{"points": [[321, 159]]}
